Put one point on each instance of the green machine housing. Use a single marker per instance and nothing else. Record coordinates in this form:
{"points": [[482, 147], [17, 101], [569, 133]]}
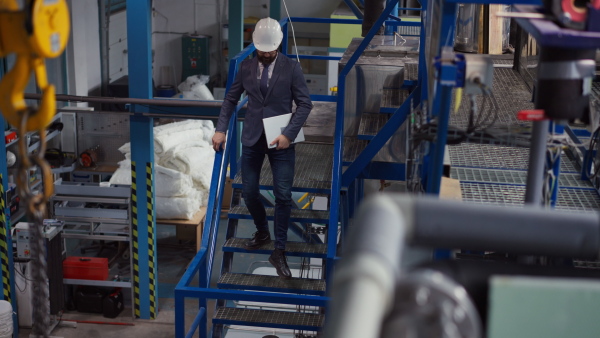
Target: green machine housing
{"points": [[195, 53]]}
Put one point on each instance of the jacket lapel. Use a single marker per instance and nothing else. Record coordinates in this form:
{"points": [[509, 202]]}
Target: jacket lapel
{"points": [[254, 75], [273, 81]]}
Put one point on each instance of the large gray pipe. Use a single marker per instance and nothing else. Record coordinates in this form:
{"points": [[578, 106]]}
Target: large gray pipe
{"points": [[362, 289], [530, 230], [373, 10]]}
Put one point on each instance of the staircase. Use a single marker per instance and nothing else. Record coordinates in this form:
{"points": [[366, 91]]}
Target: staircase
{"points": [[312, 175]]}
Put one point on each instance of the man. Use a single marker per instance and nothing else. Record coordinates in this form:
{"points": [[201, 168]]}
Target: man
{"points": [[271, 81]]}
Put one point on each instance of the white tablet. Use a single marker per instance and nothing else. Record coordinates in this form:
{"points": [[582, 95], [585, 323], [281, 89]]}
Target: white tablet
{"points": [[274, 126]]}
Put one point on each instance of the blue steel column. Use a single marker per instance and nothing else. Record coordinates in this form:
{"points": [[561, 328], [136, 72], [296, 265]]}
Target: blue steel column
{"points": [[236, 45], [139, 45], [236, 27], [558, 130], [391, 30], [336, 185], [441, 103], [275, 9], [7, 272]]}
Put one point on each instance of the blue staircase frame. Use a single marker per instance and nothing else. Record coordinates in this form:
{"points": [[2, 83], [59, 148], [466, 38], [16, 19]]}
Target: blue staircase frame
{"points": [[202, 264]]}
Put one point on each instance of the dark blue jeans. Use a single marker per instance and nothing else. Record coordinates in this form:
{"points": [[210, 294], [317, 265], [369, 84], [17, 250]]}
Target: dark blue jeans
{"points": [[282, 165]]}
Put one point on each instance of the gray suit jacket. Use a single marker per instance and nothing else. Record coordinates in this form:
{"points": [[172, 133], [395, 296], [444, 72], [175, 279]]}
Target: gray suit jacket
{"points": [[286, 84]]}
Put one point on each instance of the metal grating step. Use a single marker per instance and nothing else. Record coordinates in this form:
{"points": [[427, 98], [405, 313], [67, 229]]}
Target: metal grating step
{"points": [[498, 157], [352, 148], [411, 71], [244, 281], [266, 318], [393, 97], [511, 93], [314, 163], [409, 30], [568, 198], [371, 124], [300, 249], [518, 177], [298, 215]]}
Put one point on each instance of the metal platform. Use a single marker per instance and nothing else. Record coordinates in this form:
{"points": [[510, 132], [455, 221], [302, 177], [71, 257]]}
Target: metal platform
{"points": [[298, 215], [352, 148], [518, 177], [409, 30], [411, 71], [314, 163], [271, 283], [371, 124], [266, 318], [299, 249], [392, 98], [498, 157], [576, 199], [510, 92]]}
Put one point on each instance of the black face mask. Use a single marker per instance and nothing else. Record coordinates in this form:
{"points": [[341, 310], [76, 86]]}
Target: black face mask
{"points": [[266, 59]]}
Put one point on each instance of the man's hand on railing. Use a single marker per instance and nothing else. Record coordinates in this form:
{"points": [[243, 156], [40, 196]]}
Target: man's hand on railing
{"points": [[218, 141]]}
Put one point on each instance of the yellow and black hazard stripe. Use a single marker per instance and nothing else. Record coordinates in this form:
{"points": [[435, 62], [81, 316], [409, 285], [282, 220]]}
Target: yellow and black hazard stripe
{"points": [[152, 273], [153, 282], [4, 245], [135, 241]]}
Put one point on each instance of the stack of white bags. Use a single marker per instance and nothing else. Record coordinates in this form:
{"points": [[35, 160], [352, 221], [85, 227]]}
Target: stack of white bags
{"points": [[183, 157]]}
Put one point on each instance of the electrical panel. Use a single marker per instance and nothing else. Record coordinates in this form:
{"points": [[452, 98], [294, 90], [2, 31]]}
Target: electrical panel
{"points": [[23, 235], [195, 53]]}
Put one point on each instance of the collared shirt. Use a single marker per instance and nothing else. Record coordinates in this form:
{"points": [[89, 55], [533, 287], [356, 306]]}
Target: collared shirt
{"points": [[271, 67]]}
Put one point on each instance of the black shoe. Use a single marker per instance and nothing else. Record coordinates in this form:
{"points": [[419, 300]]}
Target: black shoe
{"points": [[280, 263], [258, 239]]}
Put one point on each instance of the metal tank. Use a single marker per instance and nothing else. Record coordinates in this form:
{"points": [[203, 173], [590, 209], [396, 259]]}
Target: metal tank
{"points": [[375, 82]]}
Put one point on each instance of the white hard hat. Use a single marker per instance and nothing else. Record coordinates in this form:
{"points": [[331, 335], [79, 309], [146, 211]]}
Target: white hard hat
{"points": [[267, 35]]}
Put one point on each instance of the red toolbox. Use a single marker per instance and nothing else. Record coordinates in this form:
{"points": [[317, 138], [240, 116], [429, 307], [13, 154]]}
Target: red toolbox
{"points": [[85, 268]]}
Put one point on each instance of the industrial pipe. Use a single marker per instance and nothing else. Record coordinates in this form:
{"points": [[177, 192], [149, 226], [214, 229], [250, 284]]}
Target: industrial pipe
{"points": [[362, 291], [128, 100], [372, 12], [364, 281]]}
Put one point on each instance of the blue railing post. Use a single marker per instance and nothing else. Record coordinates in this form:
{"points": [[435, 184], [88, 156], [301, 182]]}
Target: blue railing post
{"points": [[555, 129], [355, 8], [441, 106], [391, 30], [179, 315], [284, 42], [336, 184]]}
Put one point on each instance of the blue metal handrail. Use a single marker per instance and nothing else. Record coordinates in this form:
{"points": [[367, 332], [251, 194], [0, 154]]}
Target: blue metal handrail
{"points": [[336, 185]]}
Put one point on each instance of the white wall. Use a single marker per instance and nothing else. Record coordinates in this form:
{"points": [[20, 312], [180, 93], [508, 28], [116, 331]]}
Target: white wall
{"points": [[178, 17], [83, 51], [171, 16], [117, 43]]}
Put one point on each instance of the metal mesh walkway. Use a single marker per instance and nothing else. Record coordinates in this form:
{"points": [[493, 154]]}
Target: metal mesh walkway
{"points": [[314, 163], [292, 320], [494, 174], [291, 248], [262, 282], [297, 215]]}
